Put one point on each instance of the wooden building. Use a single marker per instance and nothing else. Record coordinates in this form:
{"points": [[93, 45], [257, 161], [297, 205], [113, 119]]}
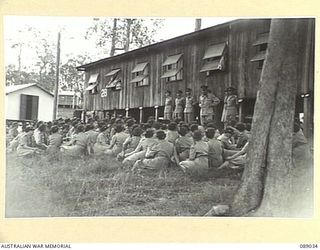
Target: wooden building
{"points": [[229, 54], [28, 102], [68, 101]]}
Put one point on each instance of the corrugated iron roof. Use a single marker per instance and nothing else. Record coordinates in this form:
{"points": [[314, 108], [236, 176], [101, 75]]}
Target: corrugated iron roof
{"points": [[172, 59], [214, 50], [13, 88], [139, 67]]}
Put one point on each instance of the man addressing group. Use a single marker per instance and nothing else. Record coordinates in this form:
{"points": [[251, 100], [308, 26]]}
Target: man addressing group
{"points": [[207, 102]]}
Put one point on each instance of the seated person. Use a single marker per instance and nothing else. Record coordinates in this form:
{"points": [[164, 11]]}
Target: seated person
{"points": [[243, 136], [131, 142], [225, 139], [55, 141], [215, 149], [140, 151], [101, 144], [117, 141], [197, 164], [183, 143], [158, 156], [25, 142], [78, 144], [172, 134], [238, 159]]}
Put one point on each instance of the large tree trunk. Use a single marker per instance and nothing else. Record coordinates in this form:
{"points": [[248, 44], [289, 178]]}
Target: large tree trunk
{"points": [[266, 181]]}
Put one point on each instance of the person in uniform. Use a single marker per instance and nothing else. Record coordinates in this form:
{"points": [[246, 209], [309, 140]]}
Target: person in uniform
{"points": [[197, 164], [188, 110], [179, 105], [207, 102], [230, 109], [168, 106]]}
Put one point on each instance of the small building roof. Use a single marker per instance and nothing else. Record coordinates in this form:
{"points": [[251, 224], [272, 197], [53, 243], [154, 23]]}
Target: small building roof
{"points": [[14, 88]]}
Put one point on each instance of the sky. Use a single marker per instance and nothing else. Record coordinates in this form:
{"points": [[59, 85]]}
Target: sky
{"points": [[73, 30]]}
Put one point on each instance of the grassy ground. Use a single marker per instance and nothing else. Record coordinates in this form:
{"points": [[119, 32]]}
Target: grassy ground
{"points": [[101, 187]]}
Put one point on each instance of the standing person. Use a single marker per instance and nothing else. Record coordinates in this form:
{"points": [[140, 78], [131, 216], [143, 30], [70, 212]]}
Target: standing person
{"points": [[179, 105], [230, 109], [188, 110], [168, 106], [207, 102]]}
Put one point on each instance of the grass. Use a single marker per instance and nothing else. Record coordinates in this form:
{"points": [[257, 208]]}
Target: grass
{"points": [[88, 186]]}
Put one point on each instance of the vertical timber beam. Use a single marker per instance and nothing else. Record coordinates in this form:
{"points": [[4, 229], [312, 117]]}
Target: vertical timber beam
{"points": [[141, 114]]}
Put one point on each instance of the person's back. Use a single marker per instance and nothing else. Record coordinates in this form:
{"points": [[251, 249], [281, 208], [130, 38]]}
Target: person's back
{"points": [[215, 153], [164, 148]]}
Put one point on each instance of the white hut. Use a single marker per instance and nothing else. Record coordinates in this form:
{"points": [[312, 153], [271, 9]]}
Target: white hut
{"points": [[28, 102]]}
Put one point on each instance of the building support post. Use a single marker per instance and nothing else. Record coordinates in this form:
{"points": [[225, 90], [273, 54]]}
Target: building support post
{"points": [[141, 114], [115, 113], [127, 112], [156, 113], [241, 111]]}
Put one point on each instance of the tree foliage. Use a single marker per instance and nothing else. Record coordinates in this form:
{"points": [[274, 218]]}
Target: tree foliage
{"points": [[136, 32]]}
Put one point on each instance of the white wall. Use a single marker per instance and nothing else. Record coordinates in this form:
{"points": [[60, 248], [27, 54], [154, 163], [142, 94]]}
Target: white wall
{"points": [[45, 108]]}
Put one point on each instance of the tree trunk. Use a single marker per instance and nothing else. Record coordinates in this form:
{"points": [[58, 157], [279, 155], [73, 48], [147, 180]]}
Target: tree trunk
{"points": [[266, 181], [113, 40], [128, 32], [197, 24]]}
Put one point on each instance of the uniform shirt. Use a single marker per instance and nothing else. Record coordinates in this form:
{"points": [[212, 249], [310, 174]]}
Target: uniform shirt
{"points": [[189, 104], [215, 152], [168, 105], [183, 143], [55, 140], [207, 102], [198, 149], [172, 136], [179, 103], [163, 148]]}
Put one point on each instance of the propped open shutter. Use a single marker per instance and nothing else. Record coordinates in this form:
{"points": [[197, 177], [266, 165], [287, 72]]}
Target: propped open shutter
{"points": [[35, 105], [23, 107]]}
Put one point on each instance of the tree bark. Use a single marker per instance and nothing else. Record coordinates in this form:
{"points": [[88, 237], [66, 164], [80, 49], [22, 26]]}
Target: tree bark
{"points": [[113, 40], [266, 181], [128, 32]]}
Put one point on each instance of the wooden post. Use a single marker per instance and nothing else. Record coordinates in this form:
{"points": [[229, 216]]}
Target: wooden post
{"points": [[240, 110], [127, 112], [115, 113], [56, 88], [156, 112], [141, 113]]}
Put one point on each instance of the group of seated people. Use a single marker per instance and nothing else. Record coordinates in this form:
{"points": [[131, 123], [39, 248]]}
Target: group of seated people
{"points": [[153, 145]]}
